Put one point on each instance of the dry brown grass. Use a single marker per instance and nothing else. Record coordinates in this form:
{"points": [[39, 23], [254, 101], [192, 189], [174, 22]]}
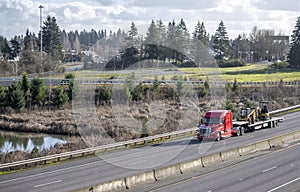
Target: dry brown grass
{"points": [[107, 124]]}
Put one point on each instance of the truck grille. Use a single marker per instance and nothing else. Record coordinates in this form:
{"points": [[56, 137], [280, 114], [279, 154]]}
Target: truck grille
{"points": [[204, 131]]}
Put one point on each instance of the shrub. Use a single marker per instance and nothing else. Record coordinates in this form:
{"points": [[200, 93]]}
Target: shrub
{"points": [[102, 94], [280, 65], [145, 129], [232, 63], [138, 92]]}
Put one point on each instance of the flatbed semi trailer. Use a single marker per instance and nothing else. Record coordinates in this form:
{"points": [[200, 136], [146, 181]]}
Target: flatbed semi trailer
{"points": [[218, 124]]}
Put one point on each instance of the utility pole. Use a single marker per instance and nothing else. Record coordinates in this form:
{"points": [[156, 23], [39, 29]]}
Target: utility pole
{"points": [[41, 32]]}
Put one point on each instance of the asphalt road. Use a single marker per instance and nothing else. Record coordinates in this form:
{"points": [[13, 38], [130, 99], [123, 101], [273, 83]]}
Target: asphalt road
{"points": [[80, 173], [278, 171]]}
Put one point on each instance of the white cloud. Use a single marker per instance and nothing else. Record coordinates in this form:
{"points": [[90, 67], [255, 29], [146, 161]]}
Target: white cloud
{"points": [[288, 5], [239, 16]]}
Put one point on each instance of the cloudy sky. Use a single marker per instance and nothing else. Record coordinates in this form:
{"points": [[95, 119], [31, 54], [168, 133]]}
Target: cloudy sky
{"points": [[238, 15]]}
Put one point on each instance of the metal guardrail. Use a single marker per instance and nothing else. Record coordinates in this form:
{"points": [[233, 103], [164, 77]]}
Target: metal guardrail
{"points": [[284, 109], [9, 81], [94, 150], [119, 81]]}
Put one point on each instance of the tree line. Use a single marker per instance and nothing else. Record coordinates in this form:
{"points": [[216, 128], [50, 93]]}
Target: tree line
{"points": [[172, 42], [24, 94]]}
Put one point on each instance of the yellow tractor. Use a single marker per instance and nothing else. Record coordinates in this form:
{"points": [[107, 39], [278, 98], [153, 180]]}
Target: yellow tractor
{"points": [[264, 111], [249, 114]]}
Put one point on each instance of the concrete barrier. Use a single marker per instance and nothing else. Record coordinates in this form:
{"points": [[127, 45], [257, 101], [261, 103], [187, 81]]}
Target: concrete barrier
{"points": [[247, 149], [173, 170], [262, 145], [190, 165], [134, 180], [211, 159], [230, 154], [275, 141], [104, 187], [287, 138], [162, 173], [296, 135]]}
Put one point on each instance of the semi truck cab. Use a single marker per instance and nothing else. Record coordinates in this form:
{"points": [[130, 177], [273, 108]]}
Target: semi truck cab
{"points": [[215, 125]]}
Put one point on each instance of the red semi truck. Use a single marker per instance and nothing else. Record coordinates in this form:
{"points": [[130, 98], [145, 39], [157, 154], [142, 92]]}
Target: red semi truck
{"points": [[218, 124]]}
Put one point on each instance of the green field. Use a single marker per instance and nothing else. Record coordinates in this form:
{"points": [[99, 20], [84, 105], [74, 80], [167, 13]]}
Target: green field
{"points": [[248, 73]]}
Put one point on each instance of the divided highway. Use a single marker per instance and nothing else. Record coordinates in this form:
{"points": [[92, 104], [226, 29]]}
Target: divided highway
{"points": [[90, 171], [278, 171]]}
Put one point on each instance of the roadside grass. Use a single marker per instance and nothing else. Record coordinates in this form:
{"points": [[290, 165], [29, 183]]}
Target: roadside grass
{"points": [[248, 73]]}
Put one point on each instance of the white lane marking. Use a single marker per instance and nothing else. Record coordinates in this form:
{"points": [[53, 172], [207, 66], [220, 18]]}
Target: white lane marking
{"points": [[68, 168], [280, 186], [269, 169], [59, 170], [41, 185], [138, 162]]}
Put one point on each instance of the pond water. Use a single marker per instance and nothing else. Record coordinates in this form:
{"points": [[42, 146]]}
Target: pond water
{"points": [[12, 141]]}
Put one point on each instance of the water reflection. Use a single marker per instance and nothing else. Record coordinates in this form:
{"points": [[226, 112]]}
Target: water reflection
{"points": [[12, 141]]}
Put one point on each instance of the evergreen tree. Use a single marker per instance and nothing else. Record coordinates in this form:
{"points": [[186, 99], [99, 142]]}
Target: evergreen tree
{"points": [[228, 105], [199, 45], [2, 98], [25, 85], [151, 42], [30, 42], [15, 48], [156, 84], [132, 33], [161, 31], [294, 53], [60, 97], [171, 42], [145, 128], [15, 97], [72, 87], [37, 91], [29, 55], [4, 48], [221, 43], [182, 40], [52, 43], [200, 33]]}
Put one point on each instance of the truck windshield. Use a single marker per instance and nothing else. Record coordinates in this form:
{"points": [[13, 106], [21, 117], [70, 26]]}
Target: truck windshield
{"points": [[211, 120]]}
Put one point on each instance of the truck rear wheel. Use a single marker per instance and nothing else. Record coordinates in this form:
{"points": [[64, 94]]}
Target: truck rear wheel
{"points": [[242, 131]]}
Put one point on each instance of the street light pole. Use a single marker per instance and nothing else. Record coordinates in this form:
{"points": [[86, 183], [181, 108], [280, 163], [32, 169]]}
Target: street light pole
{"points": [[41, 30]]}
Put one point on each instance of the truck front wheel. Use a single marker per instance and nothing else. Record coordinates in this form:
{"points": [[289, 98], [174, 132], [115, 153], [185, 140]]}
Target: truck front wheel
{"points": [[238, 132], [218, 137]]}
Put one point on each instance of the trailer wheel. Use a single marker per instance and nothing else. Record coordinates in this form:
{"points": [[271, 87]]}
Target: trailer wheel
{"points": [[242, 131], [218, 138]]}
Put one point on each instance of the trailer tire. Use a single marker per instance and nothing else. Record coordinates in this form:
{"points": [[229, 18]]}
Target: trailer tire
{"points": [[242, 131]]}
